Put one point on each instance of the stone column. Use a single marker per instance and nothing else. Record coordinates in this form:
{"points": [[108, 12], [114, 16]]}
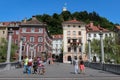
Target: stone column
{"points": [[89, 45], [20, 50], [34, 52], [27, 50], [82, 50], [9, 45], [9, 49], [102, 47], [31, 53]]}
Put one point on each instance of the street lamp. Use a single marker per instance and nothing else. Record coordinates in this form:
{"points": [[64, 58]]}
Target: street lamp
{"points": [[89, 48], [102, 47]]}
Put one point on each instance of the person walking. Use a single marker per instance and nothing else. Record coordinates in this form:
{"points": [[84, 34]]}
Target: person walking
{"points": [[81, 66], [29, 65], [75, 63], [35, 65], [25, 63]]}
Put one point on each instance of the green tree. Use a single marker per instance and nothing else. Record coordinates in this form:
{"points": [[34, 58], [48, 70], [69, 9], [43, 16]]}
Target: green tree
{"points": [[3, 50]]}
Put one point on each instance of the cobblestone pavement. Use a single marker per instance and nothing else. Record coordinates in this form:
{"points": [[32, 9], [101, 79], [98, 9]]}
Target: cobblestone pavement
{"points": [[59, 71]]}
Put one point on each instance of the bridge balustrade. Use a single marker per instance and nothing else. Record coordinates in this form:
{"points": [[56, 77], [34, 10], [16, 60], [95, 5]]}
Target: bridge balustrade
{"points": [[114, 68], [13, 65]]}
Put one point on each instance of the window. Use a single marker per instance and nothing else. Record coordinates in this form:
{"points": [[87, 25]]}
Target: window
{"points": [[74, 32], [110, 34], [69, 49], [40, 39], [31, 39], [79, 32], [79, 26], [41, 30], [73, 25], [106, 35], [68, 25], [32, 29], [94, 35], [68, 40], [24, 39], [89, 35], [80, 49], [23, 29], [3, 32], [17, 32], [68, 32]]}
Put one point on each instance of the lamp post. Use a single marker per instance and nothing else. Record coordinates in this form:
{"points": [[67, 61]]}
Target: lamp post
{"points": [[9, 48], [20, 50], [102, 47], [89, 48]]}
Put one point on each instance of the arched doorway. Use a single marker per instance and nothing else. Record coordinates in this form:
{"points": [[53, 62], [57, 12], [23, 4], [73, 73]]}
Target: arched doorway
{"points": [[69, 58]]}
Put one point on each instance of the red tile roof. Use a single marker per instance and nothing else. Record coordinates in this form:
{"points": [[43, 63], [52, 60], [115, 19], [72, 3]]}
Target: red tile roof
{"points": [[57, 36], [118, 27], [32, 21], [92, 28], [74, 21]]}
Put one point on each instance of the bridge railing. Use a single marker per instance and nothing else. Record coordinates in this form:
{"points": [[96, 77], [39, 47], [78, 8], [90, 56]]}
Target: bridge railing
{"points": [[12, 65], [114, 68]]}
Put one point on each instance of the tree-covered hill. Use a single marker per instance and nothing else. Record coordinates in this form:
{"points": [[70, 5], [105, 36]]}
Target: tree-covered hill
{"points": [[54, 21]]}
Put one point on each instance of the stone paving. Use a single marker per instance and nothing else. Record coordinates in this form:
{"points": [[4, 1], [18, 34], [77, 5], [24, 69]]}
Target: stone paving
{"points": [[59, 71]]}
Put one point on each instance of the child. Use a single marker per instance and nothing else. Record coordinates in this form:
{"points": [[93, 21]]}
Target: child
{"points": [[81, 66]]}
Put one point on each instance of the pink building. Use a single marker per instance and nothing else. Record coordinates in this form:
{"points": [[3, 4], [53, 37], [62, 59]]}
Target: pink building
{"points": [[36, 39], [34, 35]]}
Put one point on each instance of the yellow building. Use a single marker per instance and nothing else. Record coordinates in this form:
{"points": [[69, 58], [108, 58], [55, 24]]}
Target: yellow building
{"points": [[74, 40]]}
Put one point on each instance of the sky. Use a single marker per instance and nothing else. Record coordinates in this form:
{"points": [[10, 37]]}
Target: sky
{"points": [[17, 10]]}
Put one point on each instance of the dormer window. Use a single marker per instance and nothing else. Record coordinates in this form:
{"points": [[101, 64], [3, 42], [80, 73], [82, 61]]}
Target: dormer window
{"points": [[32, 29], [68, 25], [79, 26]]}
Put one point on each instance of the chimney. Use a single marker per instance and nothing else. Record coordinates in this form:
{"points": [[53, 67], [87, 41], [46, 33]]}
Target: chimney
{"points": [[91, 23]]}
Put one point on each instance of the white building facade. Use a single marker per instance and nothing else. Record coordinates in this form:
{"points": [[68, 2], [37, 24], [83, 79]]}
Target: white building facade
{"points": [[93, 32], [57, 44], [74, 37]]}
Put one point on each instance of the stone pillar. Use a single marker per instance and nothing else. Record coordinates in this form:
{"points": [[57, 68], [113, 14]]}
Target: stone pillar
{"points": [[89, 45], [9, 49], [20, 50], [9, 45], [82, 50], [34, 52], [27, 50], [102, 47], [31, 53]]}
